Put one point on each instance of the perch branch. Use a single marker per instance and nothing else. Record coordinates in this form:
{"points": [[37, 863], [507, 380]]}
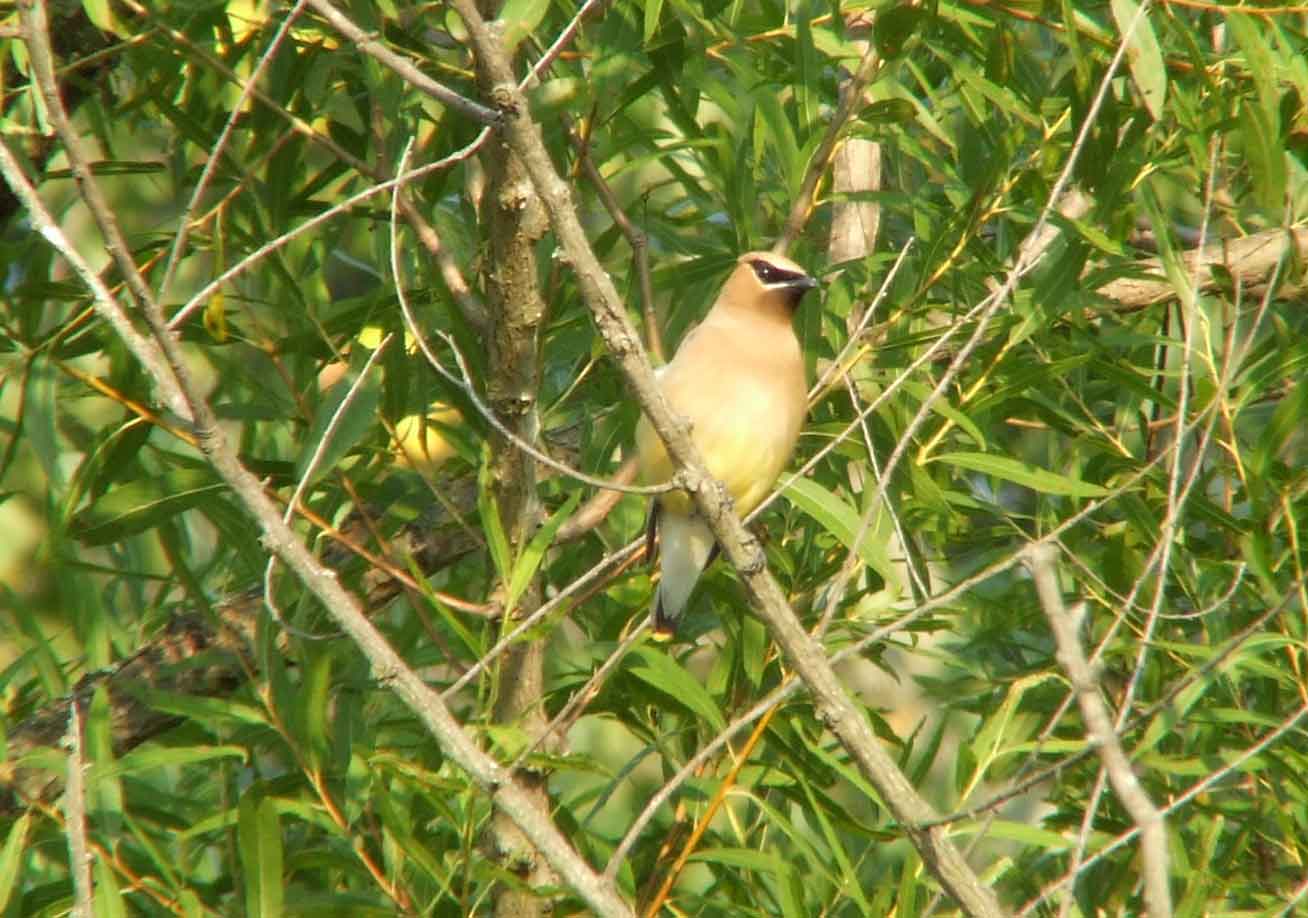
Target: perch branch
{"points": [[804, 653]]}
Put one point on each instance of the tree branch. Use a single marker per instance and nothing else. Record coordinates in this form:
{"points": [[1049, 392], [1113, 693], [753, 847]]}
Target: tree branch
{"points": [[805, 654], [1099, 725], [163, 359], [79, 856], [1250, 262], [370, 46]]}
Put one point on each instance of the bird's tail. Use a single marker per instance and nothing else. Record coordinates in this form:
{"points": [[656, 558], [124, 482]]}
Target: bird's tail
{"points": [[664, 627], [686, 545]]}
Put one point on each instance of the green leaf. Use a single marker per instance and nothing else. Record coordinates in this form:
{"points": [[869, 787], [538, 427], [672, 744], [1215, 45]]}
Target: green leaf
{"points": [[11, 857], [1259, 61], [259, 837], [1144, 57], [1265, 156], [148, 758], [488, 509], [209, 712], [102, 16], [520, 19], [357, 420], [895, 27], [653, 10], [113, 167], [41, 420], [142, 504], [849, 876], [779, 137], [529, 561], [805, 88], [1034, 836], [109, 901], [887, 111], [655, 668], [843, 522], [747, 858], [1022, 473]]}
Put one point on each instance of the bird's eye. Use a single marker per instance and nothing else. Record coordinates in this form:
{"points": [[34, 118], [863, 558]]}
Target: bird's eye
{"points": [[770, 274]]}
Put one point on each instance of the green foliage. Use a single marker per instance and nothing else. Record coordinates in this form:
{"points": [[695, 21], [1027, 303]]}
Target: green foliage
{"points": [[1162, 440]]}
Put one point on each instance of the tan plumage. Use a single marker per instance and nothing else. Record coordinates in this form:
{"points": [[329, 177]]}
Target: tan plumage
{"points": [[738, 378]]}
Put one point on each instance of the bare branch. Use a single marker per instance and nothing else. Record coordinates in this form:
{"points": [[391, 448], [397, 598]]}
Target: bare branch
{"points": [[1099, 726], [79, 855], [636, 239], [1250, 262], [845, 720], [402, 67], [851, 97]]}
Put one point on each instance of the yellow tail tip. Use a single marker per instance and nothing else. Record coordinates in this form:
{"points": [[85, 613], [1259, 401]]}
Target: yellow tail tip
{"points": [[662, 634]]}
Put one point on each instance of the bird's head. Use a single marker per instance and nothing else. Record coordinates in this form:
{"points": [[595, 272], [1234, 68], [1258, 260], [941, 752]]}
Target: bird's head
{"points": [[769, 283]]}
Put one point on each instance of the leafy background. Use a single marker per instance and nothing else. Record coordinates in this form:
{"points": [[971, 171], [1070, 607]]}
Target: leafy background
{"points": [[1147, 412]]}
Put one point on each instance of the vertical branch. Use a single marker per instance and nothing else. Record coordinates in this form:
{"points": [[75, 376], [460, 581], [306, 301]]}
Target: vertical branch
{"points": [[516, 312], [1099, 725], [75, 815], [851, 97], [834, 706], [855, 167]]}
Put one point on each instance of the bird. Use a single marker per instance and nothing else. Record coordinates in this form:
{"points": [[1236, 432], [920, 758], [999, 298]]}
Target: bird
{"points": [[737, 379]]}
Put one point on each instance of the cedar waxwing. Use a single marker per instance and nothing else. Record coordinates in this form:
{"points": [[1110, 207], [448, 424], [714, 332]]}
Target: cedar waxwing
{"points": [[738, 379]]}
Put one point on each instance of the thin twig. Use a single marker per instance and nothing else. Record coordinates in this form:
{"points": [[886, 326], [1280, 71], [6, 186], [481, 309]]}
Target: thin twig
{"points": [[463, 380], [310, 470], [200, 297], [636, 238], [576, 705], [706, 818], [521, 628], [401, 66], [1199, 787], [846, 721], [1101, 732], [851, 97], [451, 273], [219, 146], [564, 37]]}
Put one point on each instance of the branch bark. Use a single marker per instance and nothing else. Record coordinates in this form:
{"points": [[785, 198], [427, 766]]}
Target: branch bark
{"points": [[834, 706], [161, 356], [1099, 726], [516, 222], [1250, 261]]}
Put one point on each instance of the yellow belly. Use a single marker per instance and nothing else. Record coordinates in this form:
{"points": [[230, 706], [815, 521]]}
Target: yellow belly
{"points": [[745, 449]]}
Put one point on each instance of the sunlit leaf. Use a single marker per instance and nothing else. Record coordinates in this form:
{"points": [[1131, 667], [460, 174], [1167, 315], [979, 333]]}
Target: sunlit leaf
{"points": [[1022, 473]]}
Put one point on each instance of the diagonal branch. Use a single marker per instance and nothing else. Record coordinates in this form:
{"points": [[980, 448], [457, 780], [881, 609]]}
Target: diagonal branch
{"points": [[404, 68], [851, 97], [804, 653], [1099, 725], [162, 358]]}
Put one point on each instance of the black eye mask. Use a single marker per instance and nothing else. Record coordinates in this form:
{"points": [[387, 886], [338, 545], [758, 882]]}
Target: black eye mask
{"points": [[770, 274]]}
